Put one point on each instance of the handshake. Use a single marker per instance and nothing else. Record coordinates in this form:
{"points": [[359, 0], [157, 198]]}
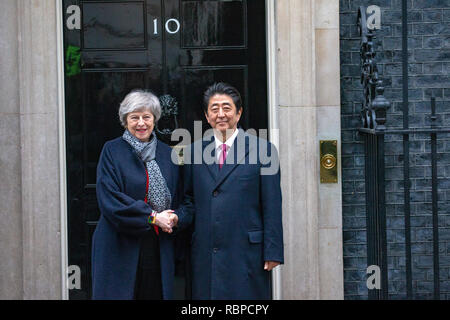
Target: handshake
{"points": [[166, 220]]}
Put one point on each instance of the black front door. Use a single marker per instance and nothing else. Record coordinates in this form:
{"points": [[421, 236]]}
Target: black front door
{"points": [[171, 47]]}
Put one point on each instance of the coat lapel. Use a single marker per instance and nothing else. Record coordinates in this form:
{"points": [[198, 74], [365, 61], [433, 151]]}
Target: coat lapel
{"points": [[213, 168], [164, 167]]}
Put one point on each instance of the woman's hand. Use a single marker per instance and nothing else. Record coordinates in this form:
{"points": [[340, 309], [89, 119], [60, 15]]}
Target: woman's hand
{"points": [[164, 220]]}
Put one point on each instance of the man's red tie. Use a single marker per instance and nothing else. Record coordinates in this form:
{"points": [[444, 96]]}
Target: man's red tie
{"points": [[223, 155]]}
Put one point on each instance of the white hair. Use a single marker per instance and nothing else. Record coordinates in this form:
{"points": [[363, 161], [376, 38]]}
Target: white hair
{"points": [[139, 100]]}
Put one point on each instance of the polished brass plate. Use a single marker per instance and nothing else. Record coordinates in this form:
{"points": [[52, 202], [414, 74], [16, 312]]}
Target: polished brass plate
{"points": [[328, 161]]}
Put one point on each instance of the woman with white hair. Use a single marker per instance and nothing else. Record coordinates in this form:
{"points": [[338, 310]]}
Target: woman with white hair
{"points": [[137, 185]]}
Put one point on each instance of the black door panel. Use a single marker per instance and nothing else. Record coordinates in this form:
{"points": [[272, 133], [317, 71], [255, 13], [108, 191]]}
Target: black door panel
{"points": [[213, 24], [173, 47], [118, 25]]}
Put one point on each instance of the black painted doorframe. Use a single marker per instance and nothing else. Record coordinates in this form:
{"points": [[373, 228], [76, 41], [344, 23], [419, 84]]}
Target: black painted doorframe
{"points": [[70, 53]]}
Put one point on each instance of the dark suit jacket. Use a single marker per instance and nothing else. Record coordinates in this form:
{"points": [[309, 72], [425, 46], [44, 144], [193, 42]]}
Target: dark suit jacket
{"points": [[121, 190], [236, 212]]}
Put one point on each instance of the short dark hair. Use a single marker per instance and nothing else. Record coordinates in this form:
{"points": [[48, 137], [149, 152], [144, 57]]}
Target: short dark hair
{"points": [[222, 88]]}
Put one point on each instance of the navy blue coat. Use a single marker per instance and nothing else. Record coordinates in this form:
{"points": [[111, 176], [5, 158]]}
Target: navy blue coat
{"points": [[236, 213], [121, 190]]}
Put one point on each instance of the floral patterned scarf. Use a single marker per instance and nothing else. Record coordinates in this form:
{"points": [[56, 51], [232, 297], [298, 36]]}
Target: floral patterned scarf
{"points": [[158, 196]]}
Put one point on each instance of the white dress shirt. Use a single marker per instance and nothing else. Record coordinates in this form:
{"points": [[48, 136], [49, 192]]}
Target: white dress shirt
{"points": [[229, 143]]}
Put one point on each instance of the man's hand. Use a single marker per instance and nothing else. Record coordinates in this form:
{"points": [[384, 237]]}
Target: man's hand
{"points": [[269, 265], [164, 220], [173, 220]]}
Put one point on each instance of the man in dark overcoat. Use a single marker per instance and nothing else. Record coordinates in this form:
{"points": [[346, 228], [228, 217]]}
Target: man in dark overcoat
{"points": [[233, 199]]}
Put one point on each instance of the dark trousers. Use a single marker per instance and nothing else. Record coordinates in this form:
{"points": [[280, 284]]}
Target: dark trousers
{"points": [[148, 278]]}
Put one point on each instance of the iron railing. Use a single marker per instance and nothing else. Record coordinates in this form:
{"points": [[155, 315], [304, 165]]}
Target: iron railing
{"points": [[373, 131]]}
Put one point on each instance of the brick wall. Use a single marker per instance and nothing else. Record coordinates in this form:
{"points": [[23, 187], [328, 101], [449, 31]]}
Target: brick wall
{"points": [[429, 73]]}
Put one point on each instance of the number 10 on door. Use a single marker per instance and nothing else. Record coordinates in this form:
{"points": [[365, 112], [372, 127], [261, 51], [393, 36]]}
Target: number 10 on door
{"points": [[172, 26]]}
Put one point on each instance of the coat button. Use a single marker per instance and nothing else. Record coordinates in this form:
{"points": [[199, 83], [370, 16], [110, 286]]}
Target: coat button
{"points": [[215, 250], [215, 193]]}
